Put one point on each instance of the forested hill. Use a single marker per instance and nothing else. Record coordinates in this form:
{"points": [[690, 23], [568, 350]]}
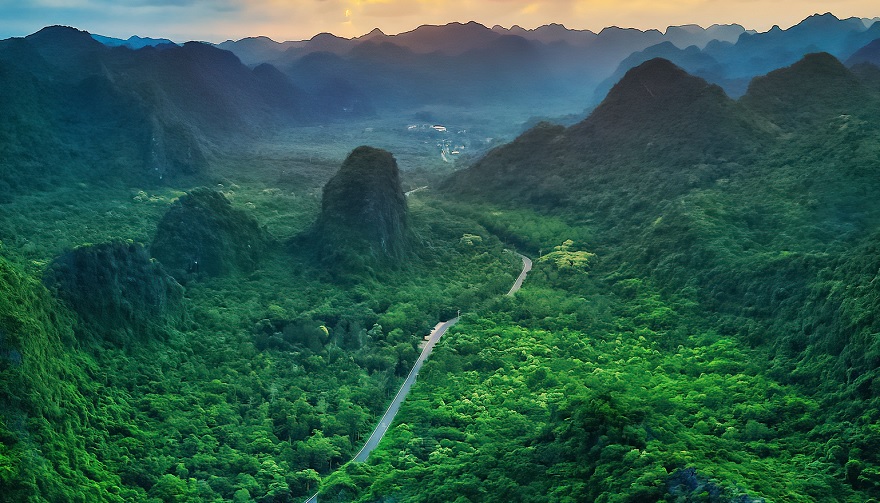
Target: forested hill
{"points": [[762, 211], [75, 109], [658, 123], [661, 132]]}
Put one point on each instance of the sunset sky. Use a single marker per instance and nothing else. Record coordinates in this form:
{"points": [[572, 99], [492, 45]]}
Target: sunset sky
{"points": [[219, 20]]}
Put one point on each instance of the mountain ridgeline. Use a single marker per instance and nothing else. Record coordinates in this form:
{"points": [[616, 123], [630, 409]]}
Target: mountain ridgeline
{"points": [[732, 64], [77, 109], [661, 131], [146, 111]]}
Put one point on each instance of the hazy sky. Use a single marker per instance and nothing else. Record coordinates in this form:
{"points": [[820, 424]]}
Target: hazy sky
{"points": [[218, 20]]}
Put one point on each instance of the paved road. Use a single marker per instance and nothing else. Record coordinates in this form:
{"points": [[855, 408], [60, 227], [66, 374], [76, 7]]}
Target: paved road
{"points": [[388, 418], [527, 266], [435, 336], [407, 193]]}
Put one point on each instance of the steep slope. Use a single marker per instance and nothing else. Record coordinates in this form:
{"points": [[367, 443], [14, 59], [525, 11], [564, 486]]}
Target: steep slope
{"points": [[50, 419], [363, 206], [867, 54], [657, 105], [65, 116], [691, 59], [26, 121], [201, 234], [812, 92], [659, 129], [212, 89], [82, 110], [118, 291], [69, 52]]}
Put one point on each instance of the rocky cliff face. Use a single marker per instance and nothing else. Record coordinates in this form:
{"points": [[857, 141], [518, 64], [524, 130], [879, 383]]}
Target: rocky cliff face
{"points": [[364, 205], [202, 234]]}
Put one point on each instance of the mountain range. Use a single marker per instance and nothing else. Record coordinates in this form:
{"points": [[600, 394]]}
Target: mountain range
{"points": [[74, 106], [73, 103], [456, 38], [581, 63], [663, 131], [733, 64], [701, 192]]}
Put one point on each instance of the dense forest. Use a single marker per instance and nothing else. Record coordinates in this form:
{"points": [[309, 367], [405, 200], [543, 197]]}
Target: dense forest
{"points": [[700, 324]]}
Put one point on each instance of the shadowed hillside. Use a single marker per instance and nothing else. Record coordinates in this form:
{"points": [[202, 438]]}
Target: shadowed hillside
{"points": [[659, 130], [201, 234], [81, 110], [810, 93], [363, 208], [122, 295]]}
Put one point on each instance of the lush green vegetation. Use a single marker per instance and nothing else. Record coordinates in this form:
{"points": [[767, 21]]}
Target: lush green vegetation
{"points": [[741, 258], [593, 384], [701, 323], [584, 389], [269, 380]]}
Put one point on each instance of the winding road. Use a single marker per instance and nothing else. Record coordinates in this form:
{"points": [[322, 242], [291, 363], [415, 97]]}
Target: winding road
{"points": [[435, 336], [527, 266]]}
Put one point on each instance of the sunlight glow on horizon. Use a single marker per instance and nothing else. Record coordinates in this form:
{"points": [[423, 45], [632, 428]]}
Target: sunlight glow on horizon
{"points": [[281, 20]]}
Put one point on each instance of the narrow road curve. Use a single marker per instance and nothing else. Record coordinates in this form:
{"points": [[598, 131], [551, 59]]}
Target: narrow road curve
{"points": [[527, 266], [435, 336], [407, 193]]}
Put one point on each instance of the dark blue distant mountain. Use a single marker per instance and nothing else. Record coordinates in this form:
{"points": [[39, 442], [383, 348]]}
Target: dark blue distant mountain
{"points": [[255, 50], [733, 65], [560, 64], [133, 42], [759, 53], [550, 34], [867, 54], [690, 34]]}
